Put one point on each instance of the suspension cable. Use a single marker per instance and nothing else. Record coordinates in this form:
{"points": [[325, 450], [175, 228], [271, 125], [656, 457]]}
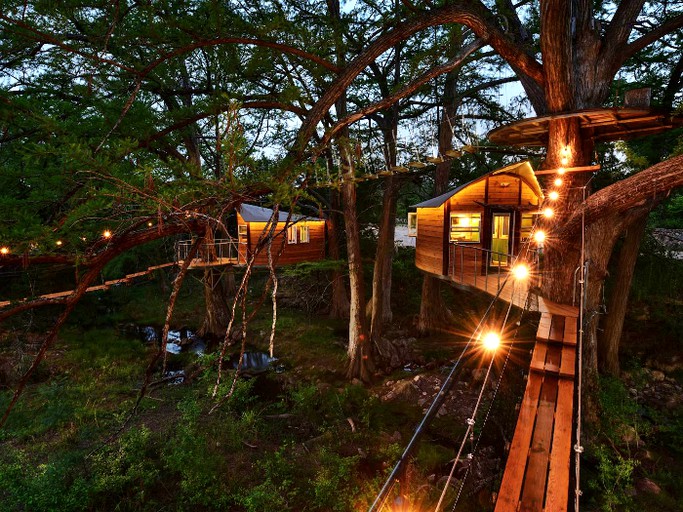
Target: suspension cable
{"points": [[578, 449]]}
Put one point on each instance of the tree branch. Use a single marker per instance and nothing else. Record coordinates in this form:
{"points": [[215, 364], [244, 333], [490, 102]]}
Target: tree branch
{"points": [[625, 53], [636, 190]]}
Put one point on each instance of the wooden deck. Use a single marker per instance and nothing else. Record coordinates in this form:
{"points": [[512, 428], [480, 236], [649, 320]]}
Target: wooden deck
{"points": [[214, 262], [513, 291], [104, 286], [536, 476]]}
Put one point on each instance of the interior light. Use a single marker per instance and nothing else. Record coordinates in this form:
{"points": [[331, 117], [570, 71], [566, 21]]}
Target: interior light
{"points": [[520, 271], [491, 341]]}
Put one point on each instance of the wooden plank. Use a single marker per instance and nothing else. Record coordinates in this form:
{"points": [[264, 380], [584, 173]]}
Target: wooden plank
{"points": [[568, 363], [560, 454], [543, 332], [570, 331], [556, 328], [538, 356], [533, 493], [553, 358], [557, 309], [511, 486]]}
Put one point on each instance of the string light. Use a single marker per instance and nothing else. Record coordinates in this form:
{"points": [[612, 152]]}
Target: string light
{"points": [[58, 243], [558, 182], [106, 234], [520, 271], [491, 341], [554, 195], [548, 213], [4, 251], [561, 171], [150, 224], [564, 159], [539, 236]]}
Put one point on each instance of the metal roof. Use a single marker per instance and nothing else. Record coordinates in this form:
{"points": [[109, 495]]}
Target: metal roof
{"points": [[253, 213], [521, 169]]}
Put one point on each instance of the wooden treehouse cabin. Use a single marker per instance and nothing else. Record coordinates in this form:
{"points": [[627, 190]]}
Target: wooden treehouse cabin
{"points": [[301, 238], [471, 234]]}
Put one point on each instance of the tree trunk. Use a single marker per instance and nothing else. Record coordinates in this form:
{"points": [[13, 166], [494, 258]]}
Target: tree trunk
{"points": [[608, 354], [381, 276], [361, 364], [340, 299], [217, 315]]}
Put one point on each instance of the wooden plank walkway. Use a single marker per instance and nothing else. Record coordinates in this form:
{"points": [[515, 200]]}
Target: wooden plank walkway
{"points": [[536, 477], [104, 286], [513, 291]]}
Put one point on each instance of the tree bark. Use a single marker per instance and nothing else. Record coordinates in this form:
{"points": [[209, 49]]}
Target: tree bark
{"points": [[340, 307], [608, 354], [217, 314], [361, 363]]}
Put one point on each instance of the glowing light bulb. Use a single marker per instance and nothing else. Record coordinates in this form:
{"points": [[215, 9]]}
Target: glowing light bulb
{"points": [[561, 171], [558, 182], [520, 271], [58, 242], [548, 213], [554, 195], [539, 236], [150, 224], [106, 234], [564, 161], [490, 341], [4, 251]]}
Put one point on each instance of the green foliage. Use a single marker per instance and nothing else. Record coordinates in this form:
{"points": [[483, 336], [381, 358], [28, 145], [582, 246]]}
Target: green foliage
{"points": [[620, 418], [615, 480]]}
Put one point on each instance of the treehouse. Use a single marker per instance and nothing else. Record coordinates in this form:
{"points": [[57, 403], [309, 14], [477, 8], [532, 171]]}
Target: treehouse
{"points": [[296, 239], [475, 230], [301, 238]]}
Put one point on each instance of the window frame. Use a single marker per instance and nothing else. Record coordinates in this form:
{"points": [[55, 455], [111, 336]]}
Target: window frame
{"points": [[470, 229], [412, 224], [292, 235], [243, 233], [525, 232], [304, 239]]}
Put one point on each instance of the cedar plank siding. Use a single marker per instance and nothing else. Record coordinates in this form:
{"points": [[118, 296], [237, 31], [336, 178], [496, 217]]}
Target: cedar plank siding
{"points": [[314, 250], [429, 245]]}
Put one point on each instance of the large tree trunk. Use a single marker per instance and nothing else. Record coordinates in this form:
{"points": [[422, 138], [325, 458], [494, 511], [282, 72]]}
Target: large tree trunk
{"points": [[217, 314], [340, 299], [608, 354], [381, 276], [361, 364]]}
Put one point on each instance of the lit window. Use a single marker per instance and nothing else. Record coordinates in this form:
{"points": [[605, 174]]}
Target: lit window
{"points": [[465, 227], [291, 235], [242, 233], [412, 224], [304, 235], [527, 225]]}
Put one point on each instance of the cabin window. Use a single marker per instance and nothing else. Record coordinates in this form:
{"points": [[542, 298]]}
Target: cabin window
{"points": [[291, 234], [527, 225], [304, 234], [242, 233], [412, 224], [465, 227]]}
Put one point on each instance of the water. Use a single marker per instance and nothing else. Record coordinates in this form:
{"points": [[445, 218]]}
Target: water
{"points": [[253, 362], [179, 340]]}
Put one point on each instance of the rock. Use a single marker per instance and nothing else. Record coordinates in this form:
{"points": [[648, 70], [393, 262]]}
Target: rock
{"points": [[647, 486], [356, 382], [478, 375], [658, 376]]}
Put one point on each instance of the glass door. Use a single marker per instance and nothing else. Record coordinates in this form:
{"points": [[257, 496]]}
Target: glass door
{"points": [[500, 238]]}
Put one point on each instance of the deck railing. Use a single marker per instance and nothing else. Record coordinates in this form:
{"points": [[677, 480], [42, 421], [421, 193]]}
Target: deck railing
{"points": [[486, 269], [222, 250]]}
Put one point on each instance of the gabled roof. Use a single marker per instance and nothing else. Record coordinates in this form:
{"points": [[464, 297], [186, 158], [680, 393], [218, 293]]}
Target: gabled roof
{"points": [[253, 213], [521, 169]]}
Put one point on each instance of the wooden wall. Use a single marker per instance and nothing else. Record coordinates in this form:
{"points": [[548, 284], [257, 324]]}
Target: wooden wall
{"points": [[314, 250], [430, 241]]}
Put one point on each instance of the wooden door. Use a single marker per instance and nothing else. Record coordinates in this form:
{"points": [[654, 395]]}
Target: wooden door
{"points": [[500, 238]]}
